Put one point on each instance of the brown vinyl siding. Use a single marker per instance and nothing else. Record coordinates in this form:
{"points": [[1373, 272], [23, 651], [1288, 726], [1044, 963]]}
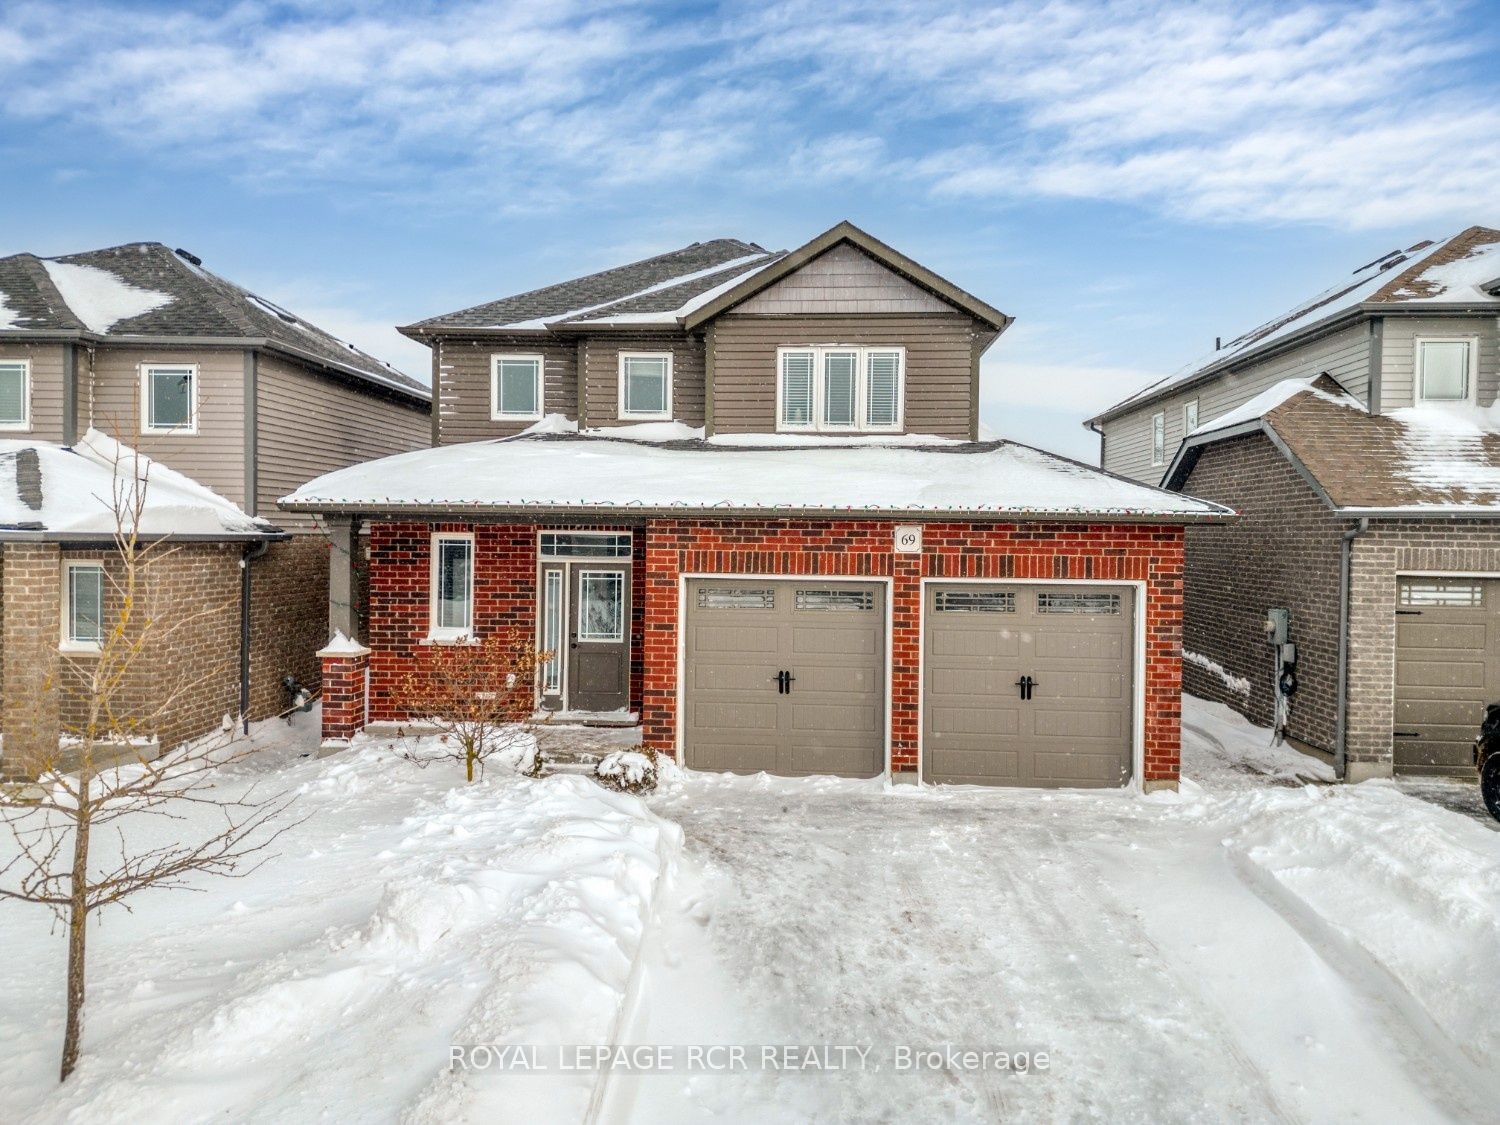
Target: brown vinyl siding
{"points": [[463, 390], [843, 280], [310, 424], [46, 389], [1399, 355], [939, 365], [110, 400], [601, 367], [1127, 439]]}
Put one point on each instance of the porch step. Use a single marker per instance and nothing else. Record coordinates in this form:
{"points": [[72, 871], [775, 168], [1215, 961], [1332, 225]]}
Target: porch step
{"points": [[610, 719]]}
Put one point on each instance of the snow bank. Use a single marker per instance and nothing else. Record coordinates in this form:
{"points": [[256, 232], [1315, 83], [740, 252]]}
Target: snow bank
{"points": [[1218, 739], [1406, 894], [98, 298], [407, 913]]}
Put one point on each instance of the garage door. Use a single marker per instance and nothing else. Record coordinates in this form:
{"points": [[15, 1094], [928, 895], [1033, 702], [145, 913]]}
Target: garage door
{"points": [[786, 676], [982, 724], [1447, 669]]}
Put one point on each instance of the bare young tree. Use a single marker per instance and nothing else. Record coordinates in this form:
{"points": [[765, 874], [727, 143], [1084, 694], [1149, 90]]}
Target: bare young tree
{"points": [[479, 695], [101, 775]]}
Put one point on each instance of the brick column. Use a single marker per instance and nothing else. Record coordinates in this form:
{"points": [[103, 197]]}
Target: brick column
{"points": [[31, 589], [345, 667]]}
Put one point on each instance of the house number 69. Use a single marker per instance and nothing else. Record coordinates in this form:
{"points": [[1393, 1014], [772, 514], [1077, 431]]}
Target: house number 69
{"points": [[909, 539]]}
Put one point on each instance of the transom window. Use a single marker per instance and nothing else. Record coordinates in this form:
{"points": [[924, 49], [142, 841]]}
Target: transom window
{"points": [[170, 393], [15, 394], [835, 387], [516, 387], [1433, 592], [836, 599], [1444, 370], [976, 601], [730, 597], [452, 586], [83, 605], [584, 545], [1105, 604], [646, 385]]}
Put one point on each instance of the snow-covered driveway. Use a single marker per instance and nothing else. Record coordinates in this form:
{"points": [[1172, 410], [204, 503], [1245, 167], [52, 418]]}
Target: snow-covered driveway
{"points": [[1271, 953]]}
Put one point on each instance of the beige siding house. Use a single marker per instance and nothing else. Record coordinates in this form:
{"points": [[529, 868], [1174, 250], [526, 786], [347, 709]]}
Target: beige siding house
{"points": [[140, 344]]}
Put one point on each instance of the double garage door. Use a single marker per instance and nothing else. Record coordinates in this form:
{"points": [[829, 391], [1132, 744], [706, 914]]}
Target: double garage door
{"points": [[1447, 670], [1021, 685]]}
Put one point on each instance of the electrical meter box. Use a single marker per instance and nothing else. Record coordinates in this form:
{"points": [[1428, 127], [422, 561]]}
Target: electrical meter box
{"points": [[1278, 626]]}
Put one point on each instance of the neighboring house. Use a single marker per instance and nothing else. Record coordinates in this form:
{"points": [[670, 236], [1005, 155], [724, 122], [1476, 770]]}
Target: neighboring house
{"points": [[739, 496], [1366, 465], [240, 397]]}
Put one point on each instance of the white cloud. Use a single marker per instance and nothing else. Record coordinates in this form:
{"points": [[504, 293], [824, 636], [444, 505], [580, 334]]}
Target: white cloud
{"points": [[1345, 114]]}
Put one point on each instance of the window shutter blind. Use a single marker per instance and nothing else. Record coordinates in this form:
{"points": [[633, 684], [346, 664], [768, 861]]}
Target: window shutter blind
{"points": [[796, 388], [882, 387], [840, 378], [12, 392]]}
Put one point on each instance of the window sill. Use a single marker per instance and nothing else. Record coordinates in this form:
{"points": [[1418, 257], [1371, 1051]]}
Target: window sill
{"points": [[516, 417], [169, 431], [15, 427], [461, 639], [79, 648]]}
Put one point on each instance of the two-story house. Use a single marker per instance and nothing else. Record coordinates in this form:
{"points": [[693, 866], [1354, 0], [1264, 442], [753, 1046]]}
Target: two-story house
{"points": [[1357, 436], [231, 401], [739, 497]]}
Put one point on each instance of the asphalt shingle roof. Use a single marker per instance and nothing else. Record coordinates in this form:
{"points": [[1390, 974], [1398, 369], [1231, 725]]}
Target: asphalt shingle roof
{"points": [[194, 303], [659, 284]]}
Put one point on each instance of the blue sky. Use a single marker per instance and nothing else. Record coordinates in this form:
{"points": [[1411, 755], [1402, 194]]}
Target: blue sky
{"points": [[1128, 179]]}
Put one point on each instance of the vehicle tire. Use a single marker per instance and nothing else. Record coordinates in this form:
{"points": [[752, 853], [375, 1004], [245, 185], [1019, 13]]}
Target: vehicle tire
{"points": [[1489, 784]]}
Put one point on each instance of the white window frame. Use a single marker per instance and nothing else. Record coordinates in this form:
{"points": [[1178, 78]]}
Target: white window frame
{"points": [[449, 634], [148, 426], [1159, 438], [1471, 374], [1189, 424], [499, 415], [861, 390], [645, 415], [66, 643], [25, 423]]}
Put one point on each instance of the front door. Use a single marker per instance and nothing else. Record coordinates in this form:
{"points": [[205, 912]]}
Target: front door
{"points": [[597, 668]]}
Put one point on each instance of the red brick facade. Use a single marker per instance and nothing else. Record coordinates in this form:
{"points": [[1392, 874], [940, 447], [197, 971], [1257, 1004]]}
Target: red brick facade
{"points": [[506, 575]]}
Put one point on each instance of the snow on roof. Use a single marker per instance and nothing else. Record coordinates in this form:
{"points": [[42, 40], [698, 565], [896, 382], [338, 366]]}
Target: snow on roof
{"points": [[52, 488], [1451, 270], [1450, 448], [1268, 400], [595, 473], [98, 298], [9, 318]]}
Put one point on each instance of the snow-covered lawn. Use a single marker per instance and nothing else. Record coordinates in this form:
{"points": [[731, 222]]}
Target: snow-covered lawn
{"points": [[407, 912], [1251, 948]]}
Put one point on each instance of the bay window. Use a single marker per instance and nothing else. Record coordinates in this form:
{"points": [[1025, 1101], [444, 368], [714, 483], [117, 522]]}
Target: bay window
{"points": [[836, 388]]}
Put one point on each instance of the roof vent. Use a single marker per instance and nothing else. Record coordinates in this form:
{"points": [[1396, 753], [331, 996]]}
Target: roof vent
{"points": [[186, 257]]}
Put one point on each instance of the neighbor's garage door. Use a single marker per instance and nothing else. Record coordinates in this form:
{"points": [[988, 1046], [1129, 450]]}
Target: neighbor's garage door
{"points": [[978, 724], [827, 715], [1447, 669]]}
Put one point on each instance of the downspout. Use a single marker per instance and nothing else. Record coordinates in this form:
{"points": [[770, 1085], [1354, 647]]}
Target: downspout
{"points": [[1341, 709], [250, 555]]}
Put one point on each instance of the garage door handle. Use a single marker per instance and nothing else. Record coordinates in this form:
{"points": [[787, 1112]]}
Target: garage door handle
{"points": [[1027, 685], [1407, 734]]}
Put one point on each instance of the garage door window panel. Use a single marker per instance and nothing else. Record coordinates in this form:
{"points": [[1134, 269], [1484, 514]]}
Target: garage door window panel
{"points": [[721, 597], [975, 601], [845, 601], [1092, 604], [1463, 595]]}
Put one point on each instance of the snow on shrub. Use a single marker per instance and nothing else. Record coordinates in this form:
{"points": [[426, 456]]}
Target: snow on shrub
{"points": [[629, 771]]}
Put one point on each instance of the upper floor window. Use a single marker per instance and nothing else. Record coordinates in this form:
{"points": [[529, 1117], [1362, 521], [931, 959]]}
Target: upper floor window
{"points": [[1445, 370], [452, 587], [15, 394], [840, 388], [516, 387], [1189, 417], [83, 605], [1159, 438], [170, 394], [646, 385]]}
